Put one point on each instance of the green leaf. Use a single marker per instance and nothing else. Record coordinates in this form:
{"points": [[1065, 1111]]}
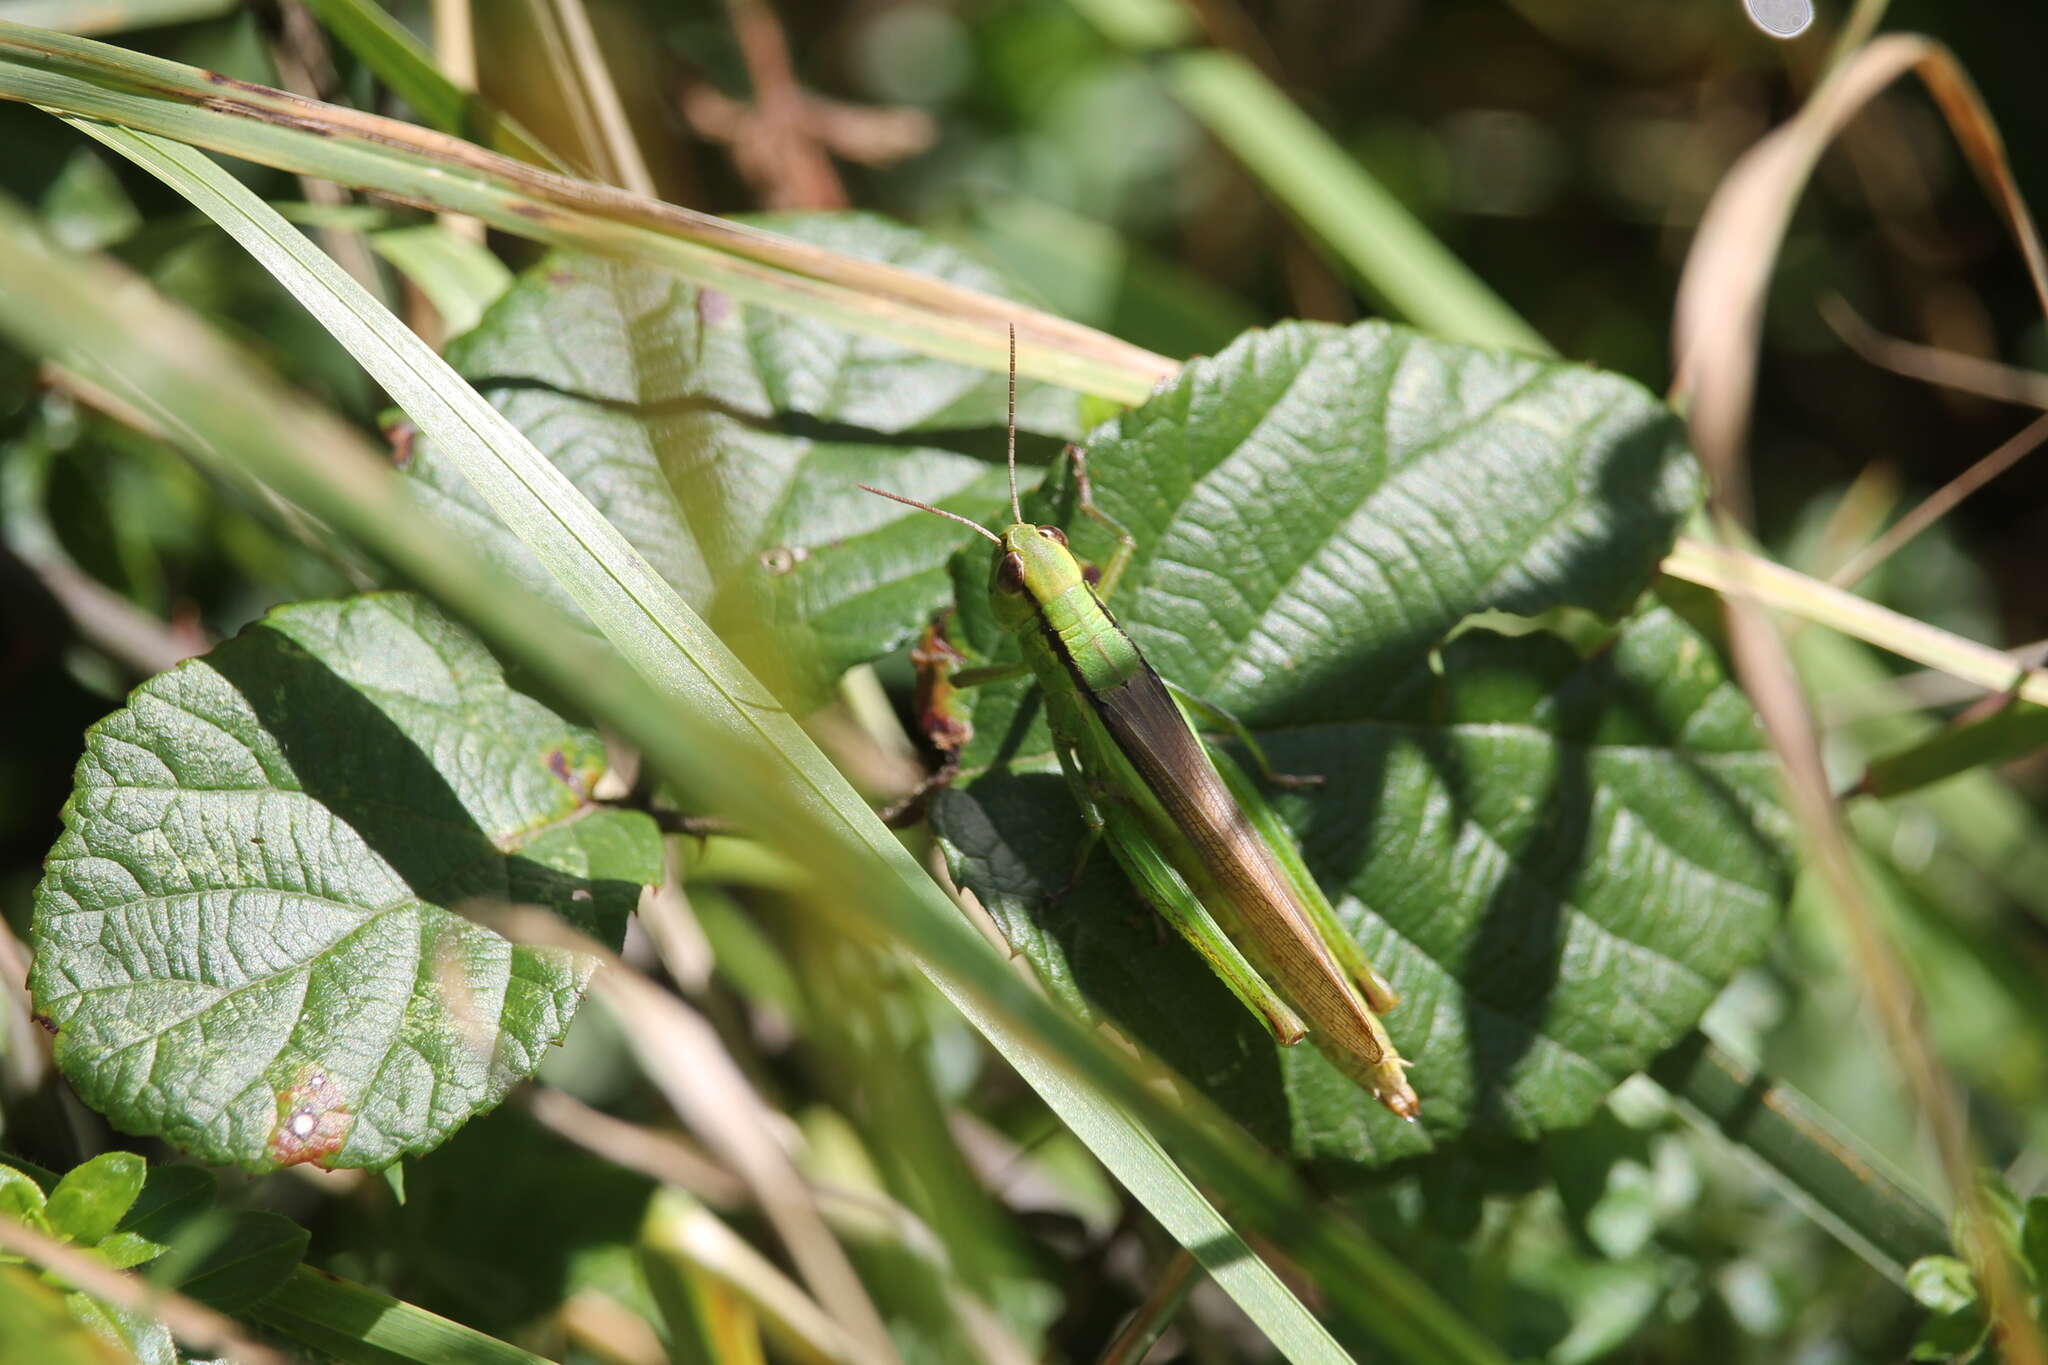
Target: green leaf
{"points": [[1943, 1286], [38, 1328], [172, 1197], [93, 1197], [248, 938], [460, 277], [2034, 1240], [258, 1254], [1557, 859], [2002, 737], [726, 442], [146, 1340], [402, 62], [125, 1250], [353, 1323], [22, 1199]]}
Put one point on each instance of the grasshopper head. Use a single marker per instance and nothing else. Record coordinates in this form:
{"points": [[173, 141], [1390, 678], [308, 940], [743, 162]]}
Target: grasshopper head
{"points": [[1032, 565]]}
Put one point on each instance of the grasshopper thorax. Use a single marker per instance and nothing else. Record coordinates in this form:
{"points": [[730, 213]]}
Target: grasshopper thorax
{"points": [[1032, 566]]}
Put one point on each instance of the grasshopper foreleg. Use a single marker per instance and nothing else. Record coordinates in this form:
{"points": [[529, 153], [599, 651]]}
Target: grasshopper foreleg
{"points": [[1126, 543]]}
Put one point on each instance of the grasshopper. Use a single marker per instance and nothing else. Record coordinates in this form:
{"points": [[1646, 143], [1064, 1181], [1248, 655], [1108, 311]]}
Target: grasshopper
{"points": [[1184, 822]]}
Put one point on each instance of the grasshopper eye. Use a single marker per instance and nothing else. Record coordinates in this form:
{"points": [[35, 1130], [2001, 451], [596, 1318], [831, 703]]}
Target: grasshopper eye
{"points": [[1053, 534], [1010, 573]]}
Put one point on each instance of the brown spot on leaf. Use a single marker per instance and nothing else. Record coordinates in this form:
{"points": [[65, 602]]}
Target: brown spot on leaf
{"points": [[714, 306], [312, 1121], [45, 1022]]}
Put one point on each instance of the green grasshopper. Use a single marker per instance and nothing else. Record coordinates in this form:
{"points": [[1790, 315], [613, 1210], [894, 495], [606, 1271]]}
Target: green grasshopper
{"points": [[1181, 818]]}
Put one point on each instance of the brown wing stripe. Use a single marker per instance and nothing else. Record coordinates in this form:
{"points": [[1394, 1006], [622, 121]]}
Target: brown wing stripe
{"points": [[1148, 727]]}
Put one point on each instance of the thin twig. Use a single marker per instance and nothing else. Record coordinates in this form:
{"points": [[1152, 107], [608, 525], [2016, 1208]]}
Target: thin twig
{"points": [[779, 149], [111, 624]]}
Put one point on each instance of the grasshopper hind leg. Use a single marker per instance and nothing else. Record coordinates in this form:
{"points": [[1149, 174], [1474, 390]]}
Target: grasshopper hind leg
{"points": [[1168, 893]]}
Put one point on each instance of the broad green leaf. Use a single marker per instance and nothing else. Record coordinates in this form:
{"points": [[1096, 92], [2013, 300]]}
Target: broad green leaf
{"points": [[93, 1197], [460, 277], [1558, 859], [146, 1339], [259, 1252], [125, 1250], [2034, 1240], [172, 1197], [248, 937], [57, 305], [38, 1328], [22, 1199], [726, 442]]}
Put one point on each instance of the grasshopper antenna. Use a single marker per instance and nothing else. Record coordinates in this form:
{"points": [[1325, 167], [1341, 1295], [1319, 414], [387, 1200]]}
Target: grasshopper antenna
{"points": [[1016, 508], [970, 524]]}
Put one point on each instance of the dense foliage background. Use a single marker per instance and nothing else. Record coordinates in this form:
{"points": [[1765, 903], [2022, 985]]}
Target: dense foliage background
{"points": [[1565, 150]]}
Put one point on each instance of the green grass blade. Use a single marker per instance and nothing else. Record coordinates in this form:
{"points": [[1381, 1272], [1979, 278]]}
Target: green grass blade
{"points": [[78, 77], [1386, 247], [718, 742], [2002, 737], [403, 62], [1846, 1188], [97, 16], [351, 1322]]}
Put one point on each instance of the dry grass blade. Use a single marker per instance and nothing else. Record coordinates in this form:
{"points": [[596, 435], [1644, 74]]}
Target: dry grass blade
{"points": [[24, 1048], [1155, 1314], [677, 1226], [1965, 373], [1751, 578], [683, 1056], [661, 1157], [190, 1322], [1941, 502], [371, 152], [1969, 374], [667, 1159], [1721, 294], [592, 95], [1719, 319]]}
